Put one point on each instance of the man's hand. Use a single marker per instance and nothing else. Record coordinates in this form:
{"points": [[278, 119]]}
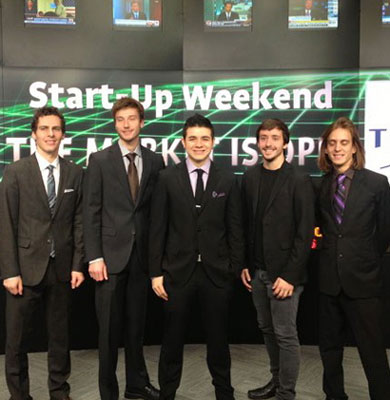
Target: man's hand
{"points": [[158, 287], [98, 271], [246, 279], [77, 279], [14, 285], [282, 289]]}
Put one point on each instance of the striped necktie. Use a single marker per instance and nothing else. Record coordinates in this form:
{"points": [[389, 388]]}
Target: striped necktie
{"points": [[52, 198], [339, 198], [51, 189]]}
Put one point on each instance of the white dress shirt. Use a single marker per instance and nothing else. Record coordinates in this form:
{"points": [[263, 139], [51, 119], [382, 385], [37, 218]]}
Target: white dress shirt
{"points": [[43, 164]]}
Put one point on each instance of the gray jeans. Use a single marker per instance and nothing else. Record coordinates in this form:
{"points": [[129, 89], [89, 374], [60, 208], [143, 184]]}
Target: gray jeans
{"points": [[277, 322]]}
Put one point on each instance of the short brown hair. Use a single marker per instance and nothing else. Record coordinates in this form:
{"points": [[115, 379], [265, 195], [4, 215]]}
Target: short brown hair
{"points": [[128, 102], [324, 163], [44, 112], [274, 123]]}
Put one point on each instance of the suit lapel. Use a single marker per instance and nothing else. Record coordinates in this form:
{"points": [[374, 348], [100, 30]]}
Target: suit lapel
{"points": [[117, 162], [37, 181], [185, 183], [146, 169], [212, 182], [326, 197], [356, 184], [64, 172], [256, 187], [280, 181]]}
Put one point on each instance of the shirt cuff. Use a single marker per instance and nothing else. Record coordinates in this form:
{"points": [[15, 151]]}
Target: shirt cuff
{"points": [[96, 260]]}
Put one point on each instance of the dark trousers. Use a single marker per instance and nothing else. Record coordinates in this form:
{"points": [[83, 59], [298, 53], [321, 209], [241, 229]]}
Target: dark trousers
{"points": [[121, 310], [20, 313], [364, 317], [277, 322], [213, 303]]}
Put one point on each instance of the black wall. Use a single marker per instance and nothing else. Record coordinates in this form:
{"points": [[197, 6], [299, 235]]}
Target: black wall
{"points": [[182, 43]]}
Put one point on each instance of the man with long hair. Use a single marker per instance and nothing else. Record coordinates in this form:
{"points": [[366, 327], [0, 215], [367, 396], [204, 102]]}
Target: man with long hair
{"points": [[354, 216]]}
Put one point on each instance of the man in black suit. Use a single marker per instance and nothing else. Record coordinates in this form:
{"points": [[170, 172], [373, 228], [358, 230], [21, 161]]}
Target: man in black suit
{"points": [[354, 216], [279, 220], [41, 252], [118, 186], [196, 248], [136, 12], [227, 14]]}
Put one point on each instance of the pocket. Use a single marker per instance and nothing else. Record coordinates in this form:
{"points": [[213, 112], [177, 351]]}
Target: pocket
{"points": [[24, 242], [107, 231]]}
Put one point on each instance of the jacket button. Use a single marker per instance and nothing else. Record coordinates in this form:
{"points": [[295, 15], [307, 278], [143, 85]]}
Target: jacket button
{"points": [[341, 255], [48, 241], [340, 235]]}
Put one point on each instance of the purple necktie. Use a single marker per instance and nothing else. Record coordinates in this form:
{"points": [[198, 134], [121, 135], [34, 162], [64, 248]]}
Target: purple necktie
{"points": [[339, 198]]}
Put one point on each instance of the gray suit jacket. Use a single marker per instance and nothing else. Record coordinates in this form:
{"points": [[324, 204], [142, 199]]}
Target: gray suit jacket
{"points": [[27, 225], [112, 222]]}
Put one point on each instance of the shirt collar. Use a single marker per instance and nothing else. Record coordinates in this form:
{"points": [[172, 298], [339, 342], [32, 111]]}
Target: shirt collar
{"points": [[349, 173], [191, 167], [43, 163], [125, 151]]}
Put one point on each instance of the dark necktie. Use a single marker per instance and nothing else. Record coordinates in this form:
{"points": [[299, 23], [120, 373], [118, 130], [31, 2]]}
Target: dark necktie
{"points": [[51, 189], [132, 176], [199, 189], [52, 198], [339, 198]]}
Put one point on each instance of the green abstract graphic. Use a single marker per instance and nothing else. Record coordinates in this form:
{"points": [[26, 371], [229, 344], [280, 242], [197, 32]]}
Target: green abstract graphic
{"points": [[90, 129]]}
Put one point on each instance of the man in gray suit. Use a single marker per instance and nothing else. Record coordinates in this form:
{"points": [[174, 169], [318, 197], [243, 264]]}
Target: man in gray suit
{"points": [[118, 186], [41, 252]]}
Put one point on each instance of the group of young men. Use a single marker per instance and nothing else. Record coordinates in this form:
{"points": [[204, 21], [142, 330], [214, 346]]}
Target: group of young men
{"points": [[190, 230]]}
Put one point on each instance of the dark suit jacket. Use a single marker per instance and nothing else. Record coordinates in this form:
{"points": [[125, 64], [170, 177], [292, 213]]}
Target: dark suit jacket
{"points": [[351, 252], [178, 233], [27, 224], [233, 16], [111, 220], [288, 223], [141, 15]]}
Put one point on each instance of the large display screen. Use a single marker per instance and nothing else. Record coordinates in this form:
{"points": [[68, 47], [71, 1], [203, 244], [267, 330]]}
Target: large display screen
{"points": [[50, 12], [227, 15], [386, 12], [140, 14], [313, 14]]}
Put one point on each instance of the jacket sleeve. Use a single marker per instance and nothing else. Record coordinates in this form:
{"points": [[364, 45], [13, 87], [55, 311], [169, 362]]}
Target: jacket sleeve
{"points": [[9, 215], [78, 244], [92, 205], [158, 226], [235, 229], [304, 223], [383, 216]]}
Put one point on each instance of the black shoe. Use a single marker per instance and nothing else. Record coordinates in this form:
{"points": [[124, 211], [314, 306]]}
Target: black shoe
{"points": [[148, 392], [264, 392]]}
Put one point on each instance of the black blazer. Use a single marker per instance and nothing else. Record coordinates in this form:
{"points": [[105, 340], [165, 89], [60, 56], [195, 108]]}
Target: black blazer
{"points": [[351, 252], [178, 233], [27, 224], [288, 223], [233, 16], [112, 222]]}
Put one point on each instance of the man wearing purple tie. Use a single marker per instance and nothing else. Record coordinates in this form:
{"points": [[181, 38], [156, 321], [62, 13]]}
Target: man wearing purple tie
{"points": [[354, 216]]}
